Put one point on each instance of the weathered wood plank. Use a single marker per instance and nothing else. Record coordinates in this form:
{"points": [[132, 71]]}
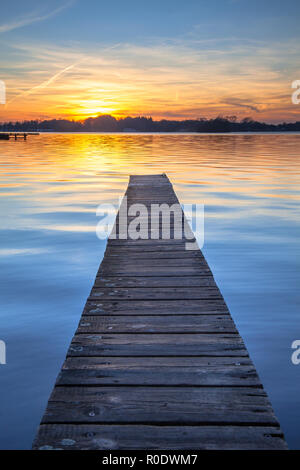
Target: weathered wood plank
{"points": [[149, 243], [141, 255], [160, 293], [157, 324], [157, 345], [156, 307], [136, 405], [154, 282], [172, 249], [161, 371], [131, 437], [136, 262], [147, 271]]}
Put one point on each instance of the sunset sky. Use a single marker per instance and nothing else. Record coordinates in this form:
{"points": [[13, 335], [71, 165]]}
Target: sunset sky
{"points": [[165, 59]]}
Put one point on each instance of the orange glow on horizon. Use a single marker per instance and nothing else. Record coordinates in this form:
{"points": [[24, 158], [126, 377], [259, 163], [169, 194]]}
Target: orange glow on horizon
{"points": [[152, 82]]}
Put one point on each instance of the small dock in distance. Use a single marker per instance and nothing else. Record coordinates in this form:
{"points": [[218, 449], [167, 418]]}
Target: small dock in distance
{"points": [[16, 135], [157, 361]]}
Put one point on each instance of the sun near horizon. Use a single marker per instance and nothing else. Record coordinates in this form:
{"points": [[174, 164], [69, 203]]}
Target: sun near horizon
{"points": [[59, 60]]}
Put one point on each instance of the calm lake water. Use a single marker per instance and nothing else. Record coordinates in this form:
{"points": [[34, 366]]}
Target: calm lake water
{"points": [[50, 187]]}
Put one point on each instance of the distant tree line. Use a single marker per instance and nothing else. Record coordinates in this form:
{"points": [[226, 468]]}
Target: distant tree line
{"points": [[107, 123]]}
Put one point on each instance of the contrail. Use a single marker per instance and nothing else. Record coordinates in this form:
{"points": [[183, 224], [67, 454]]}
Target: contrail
{"points": [[235, 102], [46, 82], [55, 76], [29, 19]]}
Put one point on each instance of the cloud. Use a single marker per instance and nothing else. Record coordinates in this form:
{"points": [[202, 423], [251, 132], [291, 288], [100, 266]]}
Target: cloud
{"points": [[179, 78], [237, 103], [32, 18], [45, 83]]}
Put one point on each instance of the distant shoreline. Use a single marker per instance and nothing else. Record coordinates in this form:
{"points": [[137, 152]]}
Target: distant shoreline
{"points": [[133, 125], [245, 133]]}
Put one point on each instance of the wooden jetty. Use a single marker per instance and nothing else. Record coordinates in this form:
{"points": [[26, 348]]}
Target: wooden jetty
{"points": [[7, 135], [156, 361]]}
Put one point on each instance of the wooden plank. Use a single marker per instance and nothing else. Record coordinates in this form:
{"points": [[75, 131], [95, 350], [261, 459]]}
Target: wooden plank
{"points": [[156, 361], [157, 345], [160, 371], [140, 246], [171, 249], [134, 437], [157, 324], [159, 293], [156, 307], [153, 282], [137, 263], [202, 405], [142, 254], [147, 271]]}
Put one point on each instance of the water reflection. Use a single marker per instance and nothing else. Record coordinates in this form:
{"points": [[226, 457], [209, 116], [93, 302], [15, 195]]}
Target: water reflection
{"points": [[50, 187]]}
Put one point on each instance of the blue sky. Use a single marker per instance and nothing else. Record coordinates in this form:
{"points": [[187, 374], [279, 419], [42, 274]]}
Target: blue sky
{"points": [[213, 39], [133, 20]]}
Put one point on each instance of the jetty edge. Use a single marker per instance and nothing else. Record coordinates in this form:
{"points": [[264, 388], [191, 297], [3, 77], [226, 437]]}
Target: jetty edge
{"points": [[157, 361]]}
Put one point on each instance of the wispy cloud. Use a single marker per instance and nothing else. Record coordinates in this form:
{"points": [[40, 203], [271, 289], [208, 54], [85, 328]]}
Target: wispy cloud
{"points": [[235, 102], [45, 83], [180, 79], [33, 17]]}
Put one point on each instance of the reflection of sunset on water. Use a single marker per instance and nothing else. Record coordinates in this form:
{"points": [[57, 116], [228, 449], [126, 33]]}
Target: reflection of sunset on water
{"points": [[207, 93], [51, 186]]}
